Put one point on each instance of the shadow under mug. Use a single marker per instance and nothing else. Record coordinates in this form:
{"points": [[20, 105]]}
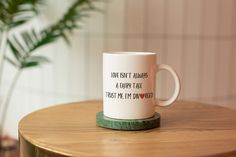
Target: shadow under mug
{"points": [[129, 84]]}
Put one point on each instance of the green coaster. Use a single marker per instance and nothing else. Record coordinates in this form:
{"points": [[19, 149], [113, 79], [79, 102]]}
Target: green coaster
{"points": [[126, 124]]}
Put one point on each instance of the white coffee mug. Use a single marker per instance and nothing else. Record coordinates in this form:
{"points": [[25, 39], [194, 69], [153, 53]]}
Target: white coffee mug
{"points": [[129, 85]]}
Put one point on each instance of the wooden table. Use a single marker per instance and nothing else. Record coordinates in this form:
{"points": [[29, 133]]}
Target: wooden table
{"points": [[187, 129]]}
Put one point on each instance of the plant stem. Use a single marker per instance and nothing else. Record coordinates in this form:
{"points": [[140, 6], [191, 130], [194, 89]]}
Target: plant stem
{"points": [[6, 100], [3, 46]]}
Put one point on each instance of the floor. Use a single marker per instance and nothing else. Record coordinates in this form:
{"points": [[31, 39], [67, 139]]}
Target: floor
{"points": [[14, 154], [10, 147]]}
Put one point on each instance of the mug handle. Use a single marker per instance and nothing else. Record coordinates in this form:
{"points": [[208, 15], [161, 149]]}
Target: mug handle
{"points": [[177, 85]]}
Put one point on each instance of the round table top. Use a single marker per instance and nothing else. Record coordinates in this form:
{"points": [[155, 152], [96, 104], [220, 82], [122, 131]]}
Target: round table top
{"points": [[187, 129]]}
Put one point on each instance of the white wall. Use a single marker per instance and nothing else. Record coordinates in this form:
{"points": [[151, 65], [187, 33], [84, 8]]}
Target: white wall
{"points": [[197, 37]]}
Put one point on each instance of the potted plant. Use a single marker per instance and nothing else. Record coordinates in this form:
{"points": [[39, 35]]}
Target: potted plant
{"points": [[14, 13]]}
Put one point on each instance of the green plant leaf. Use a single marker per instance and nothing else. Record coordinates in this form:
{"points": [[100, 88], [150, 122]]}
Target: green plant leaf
{"points": [[14, 50], [17, 12], [39, 59], [33, 61], [76, 13], [11, 61], [30, 65], [24, 44]]}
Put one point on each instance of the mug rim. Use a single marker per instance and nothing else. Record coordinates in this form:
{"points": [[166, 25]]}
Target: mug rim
{"points": [[129, 53]]}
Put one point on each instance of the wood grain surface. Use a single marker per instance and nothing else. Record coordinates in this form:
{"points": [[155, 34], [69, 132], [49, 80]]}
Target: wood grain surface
{"points": [[187, 129]]}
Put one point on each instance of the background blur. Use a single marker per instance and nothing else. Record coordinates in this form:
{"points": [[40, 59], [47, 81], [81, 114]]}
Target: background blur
{"points": [[196, 37]]}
